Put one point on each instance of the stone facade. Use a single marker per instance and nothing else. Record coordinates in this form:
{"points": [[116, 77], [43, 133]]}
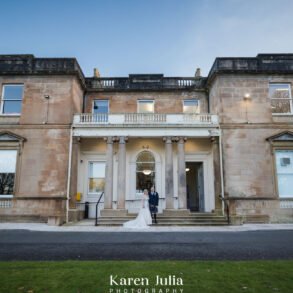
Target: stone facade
{"points": [[59, 136]]}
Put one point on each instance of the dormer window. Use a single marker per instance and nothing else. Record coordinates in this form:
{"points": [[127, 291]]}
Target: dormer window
{"points": [[281, 98], [191, 106], [11, 99]]}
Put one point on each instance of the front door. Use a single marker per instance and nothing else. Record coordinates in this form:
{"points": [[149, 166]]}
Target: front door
{"points": [[200, 187], [195, 186]]}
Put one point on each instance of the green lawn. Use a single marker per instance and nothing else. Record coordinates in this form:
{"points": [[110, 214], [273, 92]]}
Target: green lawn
{"points": [[198, 276]]}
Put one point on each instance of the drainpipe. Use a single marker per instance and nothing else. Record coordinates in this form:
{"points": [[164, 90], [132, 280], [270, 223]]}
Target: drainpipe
{"points": [[221, 170], [69, 176]]}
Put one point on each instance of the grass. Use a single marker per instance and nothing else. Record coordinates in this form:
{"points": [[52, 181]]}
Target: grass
{"points": [[198, 276]]}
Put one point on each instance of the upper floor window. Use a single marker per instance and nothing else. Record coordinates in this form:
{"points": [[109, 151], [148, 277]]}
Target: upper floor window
{"points": [[11, 99], [101, 107], [281, 98], [191, 106], [145, 106]]}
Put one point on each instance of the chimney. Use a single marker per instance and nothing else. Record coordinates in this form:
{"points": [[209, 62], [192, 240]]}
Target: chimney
{"points": [[96, 73], [197, 72]]}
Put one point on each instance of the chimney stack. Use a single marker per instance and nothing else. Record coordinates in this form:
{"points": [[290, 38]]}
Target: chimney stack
{"points": [[197, 72], [96, 73]]}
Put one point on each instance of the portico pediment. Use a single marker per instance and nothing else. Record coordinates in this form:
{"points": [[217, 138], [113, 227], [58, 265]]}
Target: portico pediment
{"points": [[285, 136]]}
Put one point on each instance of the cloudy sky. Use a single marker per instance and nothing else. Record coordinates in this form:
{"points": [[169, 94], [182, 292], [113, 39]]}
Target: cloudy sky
{"points": [[119, 37]]}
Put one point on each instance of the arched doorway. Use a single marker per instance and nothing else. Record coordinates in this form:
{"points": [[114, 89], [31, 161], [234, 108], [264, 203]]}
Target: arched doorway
{"points": [[145, 171]]}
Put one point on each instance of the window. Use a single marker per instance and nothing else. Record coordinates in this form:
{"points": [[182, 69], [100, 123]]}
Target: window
{"points": [[7, 172], [281, 99], [11, 99], [145, 106], [191, 106], [101, 107], [284, 164], [145, 171], [96, 177]]}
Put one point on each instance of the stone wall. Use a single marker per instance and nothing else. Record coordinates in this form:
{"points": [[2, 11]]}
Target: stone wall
{"points": [[165, 102], [41, 185], [247, 155]]}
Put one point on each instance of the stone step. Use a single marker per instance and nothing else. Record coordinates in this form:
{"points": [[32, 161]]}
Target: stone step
{"points": [[170, 218], [171, 224], [101, 220]]}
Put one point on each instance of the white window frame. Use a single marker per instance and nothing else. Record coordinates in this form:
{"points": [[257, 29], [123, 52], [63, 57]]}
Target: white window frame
{"points": [[103, 100], [146, 100], [187, 100], [87, 182], [3, 101], [155, 170], [282, 197], [290, 98], [16, 156]]}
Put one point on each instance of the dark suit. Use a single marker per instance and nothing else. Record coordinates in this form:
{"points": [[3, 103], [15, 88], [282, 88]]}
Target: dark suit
{"points": [[153, 202]]}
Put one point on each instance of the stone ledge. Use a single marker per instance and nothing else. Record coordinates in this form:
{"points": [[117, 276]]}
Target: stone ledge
{"points": [[55, 221]]}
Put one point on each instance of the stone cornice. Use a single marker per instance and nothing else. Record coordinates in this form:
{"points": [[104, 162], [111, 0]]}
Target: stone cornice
{"points": [[27, 65]]}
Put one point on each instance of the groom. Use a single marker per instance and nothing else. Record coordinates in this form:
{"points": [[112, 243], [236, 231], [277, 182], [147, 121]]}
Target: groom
{"points": [[153, 203]]}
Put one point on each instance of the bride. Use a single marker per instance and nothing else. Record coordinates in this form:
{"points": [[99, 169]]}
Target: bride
{"points": [[143, 219]]}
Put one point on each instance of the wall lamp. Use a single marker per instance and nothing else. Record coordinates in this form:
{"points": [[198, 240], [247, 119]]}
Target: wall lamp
{"points": [[247, 97]]}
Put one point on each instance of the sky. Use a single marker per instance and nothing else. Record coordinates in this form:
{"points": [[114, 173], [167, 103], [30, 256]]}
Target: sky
{"points": [[120, 37]]}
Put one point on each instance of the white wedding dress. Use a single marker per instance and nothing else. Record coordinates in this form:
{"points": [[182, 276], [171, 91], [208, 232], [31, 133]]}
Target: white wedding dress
{"points": [[143, 219]]}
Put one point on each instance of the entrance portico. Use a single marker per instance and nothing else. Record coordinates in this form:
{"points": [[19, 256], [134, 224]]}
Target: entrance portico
{"points": [[119, 151]]}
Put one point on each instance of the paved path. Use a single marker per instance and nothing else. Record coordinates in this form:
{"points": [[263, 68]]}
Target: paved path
{"points": [[44, 245], [88, 226]]}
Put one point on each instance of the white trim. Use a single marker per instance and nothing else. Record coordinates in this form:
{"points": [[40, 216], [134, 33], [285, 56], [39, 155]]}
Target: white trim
{"points": [[282, 114], [209, 192], [145, 132], [86, 159], [2, 100], [6, 196]]}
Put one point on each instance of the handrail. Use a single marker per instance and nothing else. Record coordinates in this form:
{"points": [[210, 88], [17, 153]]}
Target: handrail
{"points": [[96, 220]]}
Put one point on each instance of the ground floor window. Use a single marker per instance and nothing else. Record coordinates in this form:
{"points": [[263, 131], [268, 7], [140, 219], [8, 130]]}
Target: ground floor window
{"points": [[284, 164], [96, 177], [145, 171], [7, 171]]}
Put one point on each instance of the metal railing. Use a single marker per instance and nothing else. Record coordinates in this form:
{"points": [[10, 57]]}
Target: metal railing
{"points": [[96, 219]]}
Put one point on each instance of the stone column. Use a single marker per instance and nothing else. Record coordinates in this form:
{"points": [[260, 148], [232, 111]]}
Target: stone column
{"points": [[109, 174], [121, 172], [182, 196], [217, 172], [169, 184]]}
